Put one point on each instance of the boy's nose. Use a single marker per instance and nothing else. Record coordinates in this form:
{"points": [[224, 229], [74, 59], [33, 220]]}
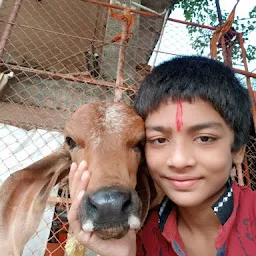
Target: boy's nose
{"points": [[181, 156]]}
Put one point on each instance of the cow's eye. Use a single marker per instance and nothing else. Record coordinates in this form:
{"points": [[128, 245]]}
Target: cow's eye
{"points": [[71, 143], [138, 147]]}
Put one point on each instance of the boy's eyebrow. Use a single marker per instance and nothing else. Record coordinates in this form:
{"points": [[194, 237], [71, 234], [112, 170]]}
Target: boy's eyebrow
{"points": [[205, 125], [158, 128], [197, 127]]}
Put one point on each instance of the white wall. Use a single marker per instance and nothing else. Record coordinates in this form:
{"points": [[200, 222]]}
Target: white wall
{"points": [[20, 148]]}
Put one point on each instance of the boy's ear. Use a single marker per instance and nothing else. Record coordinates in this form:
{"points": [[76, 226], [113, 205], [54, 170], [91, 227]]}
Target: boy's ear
{"points": [[238, 156]]}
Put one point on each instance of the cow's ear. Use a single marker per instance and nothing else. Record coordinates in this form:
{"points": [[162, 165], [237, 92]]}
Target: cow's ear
{"points": [[23, 197], [146, 190]]}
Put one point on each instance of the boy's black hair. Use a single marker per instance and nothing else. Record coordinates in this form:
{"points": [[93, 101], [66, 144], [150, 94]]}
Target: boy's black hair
{"points": [[191, 77]]}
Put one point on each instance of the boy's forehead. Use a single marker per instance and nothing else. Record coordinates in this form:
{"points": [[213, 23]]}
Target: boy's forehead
{"points": [[184, 112], [179, 116]]}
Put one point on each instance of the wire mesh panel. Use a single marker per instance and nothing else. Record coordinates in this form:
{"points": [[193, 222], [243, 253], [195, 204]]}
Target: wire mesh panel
{"points": [[59, 54], [250, 163]]}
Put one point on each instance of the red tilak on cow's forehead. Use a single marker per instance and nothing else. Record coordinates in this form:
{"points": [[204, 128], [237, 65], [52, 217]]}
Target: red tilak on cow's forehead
{"points": [[179, 116]]}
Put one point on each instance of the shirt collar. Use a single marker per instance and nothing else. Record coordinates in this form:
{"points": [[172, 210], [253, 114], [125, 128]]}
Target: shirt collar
{"points": [[222, 208]]}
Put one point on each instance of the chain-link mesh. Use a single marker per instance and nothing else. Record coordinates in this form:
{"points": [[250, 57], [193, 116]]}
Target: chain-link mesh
{"points": [[67, 53]]}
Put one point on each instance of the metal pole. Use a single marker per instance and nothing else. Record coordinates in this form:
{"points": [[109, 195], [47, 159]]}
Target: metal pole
{"points": [[217, 2], [249, 85], [160, 38], [148, 14], [121, 60], [8, 29], [86, 80]]}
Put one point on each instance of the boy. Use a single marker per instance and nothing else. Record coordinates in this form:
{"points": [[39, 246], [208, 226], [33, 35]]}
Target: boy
{"points": [[197, 118]]}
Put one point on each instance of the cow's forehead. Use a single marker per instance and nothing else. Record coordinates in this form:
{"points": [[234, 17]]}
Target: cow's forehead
{"points": [[105, 118], [108, 115], [99, 123], [115, 118]]}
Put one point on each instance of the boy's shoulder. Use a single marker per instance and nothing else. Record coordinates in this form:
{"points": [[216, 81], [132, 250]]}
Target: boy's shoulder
{"points": [[244, 207], [240, 229], [237, 229], [150, 239], [244, 200]]}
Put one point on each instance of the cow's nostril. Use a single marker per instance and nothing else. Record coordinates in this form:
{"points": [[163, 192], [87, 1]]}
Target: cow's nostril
{"points": [[109, 205], [92, 205], [126, 205]]}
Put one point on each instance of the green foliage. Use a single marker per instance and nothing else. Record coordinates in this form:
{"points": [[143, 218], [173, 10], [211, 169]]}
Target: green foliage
{"points": [[205, 12], [252, 13]]}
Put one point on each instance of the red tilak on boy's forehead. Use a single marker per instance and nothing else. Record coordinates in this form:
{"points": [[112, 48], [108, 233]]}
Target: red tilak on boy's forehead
{"points": [[179, 116]]}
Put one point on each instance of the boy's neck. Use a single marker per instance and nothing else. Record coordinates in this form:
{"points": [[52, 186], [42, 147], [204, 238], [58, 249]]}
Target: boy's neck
{"points": [[200, 218]]}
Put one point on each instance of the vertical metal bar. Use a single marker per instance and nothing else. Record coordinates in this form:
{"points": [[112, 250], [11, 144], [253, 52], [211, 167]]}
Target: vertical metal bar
{"points": [[160, 38], [247, 172], [217, 3], [1, 3], [121, 60], [248, 81], [8, 29], [226, 52], [240, 175]]}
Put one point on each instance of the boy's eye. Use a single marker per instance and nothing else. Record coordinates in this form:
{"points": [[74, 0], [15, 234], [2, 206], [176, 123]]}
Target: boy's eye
{"points": [[161, 140], [205, 139], [158, 141]]}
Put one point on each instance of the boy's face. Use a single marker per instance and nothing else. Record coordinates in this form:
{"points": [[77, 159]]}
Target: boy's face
{"points": [[188, 151]]}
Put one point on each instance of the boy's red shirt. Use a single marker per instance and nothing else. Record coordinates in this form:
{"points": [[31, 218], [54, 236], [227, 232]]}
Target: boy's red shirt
{"points": [[236, 210]]}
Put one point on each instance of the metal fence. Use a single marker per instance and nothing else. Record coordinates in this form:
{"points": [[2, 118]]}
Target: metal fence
{"points": [[58, 54]]}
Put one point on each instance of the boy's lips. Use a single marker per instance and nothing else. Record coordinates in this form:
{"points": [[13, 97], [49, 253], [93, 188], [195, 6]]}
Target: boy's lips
{"points": [[183, 183]]}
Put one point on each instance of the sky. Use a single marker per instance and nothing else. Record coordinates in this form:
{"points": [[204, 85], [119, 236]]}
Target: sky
{"points": [[176, 40]]}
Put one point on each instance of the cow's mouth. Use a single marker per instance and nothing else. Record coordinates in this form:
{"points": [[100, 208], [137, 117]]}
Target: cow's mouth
{"points": [[110, 212], [109, 233], [111, 230]]}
